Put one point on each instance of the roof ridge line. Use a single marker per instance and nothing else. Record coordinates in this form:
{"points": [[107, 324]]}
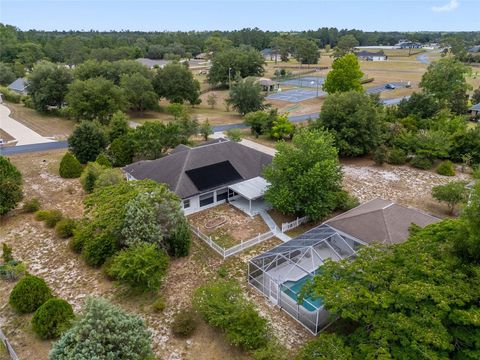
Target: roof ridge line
{"points": [[386, 226], [183, 170], [348, 211], [418, 210]]}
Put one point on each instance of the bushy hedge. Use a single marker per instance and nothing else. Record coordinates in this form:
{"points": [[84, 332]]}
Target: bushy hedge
{"points": [[142, 267], [31, 206], [103, 160], [184, 323], [52, 318], [65, 227], [50, 217], [29, 294], [90, 175], [98, 248], [222, 305], [10, 269], [70, 167], [10, 95], [422, 162], [81, 234], [396, 156], [446, 168], [10, 186]]}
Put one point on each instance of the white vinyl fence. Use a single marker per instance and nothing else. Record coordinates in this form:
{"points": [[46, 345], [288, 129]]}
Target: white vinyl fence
{"points": [[8, 346], [293, 224], [234, 249]]}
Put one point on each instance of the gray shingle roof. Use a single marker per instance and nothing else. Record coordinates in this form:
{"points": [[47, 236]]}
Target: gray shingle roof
{"points": [[368, 53], [248, 162], [18, 85], [380, 221]]}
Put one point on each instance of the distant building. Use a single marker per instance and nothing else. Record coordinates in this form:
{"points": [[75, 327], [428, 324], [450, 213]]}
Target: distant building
{"points": [[267, 84], [371, 56], [475, 111], [474, 49], [152, 63], [408, 45], [19, 86], [271, 55]]}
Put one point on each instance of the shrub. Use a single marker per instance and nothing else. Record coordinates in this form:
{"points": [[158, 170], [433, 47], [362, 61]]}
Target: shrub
{"points": [[452, 193], [81, 234], [446, 168], [380, 155], [159, 305], [52, 318], [180, 240], [103, 160], [272, 351], [50, 217], [12, 270], [31, 206], [345, 201], [234, 135], [70, 167], [87, 141], [325, 347], [28, 294], [65, 227], [97, 249], [396, 156], [10, 186], [184, 323], [422, 162], [142, 267], [104, 331], [10, 95], [90, 175], [7, 253], [109, 177], [222, 304]]}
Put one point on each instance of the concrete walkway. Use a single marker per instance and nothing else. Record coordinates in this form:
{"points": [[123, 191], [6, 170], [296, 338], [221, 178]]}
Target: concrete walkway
{"points": [[273, 226], [23, 134]]}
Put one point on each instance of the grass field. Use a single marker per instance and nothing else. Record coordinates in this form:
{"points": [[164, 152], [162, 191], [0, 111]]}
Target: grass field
{"points": [[46, 125]]}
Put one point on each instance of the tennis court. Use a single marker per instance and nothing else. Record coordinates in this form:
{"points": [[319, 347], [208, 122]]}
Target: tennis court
{"points": [[296, 95], [307, 81]]}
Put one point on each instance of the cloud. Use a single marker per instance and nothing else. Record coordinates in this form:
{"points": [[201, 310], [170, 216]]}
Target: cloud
{"points": [[450, 6]]}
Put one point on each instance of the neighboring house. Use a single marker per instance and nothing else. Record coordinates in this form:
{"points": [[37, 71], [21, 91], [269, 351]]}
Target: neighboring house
{"points": [[403, 44], [475, 111], [202, 176], [20, 86], [474, 49], [281, 272], [152, 63], [267, 84], [371, 56], [271, 55]]}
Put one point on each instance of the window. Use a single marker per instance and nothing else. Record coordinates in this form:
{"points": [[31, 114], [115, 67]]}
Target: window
{"points": [[206, 199], [222, 194], [186, 203], [231, 193]]}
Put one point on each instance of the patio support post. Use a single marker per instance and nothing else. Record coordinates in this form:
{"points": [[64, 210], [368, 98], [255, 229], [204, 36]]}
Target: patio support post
{"points": [[250, 206]]}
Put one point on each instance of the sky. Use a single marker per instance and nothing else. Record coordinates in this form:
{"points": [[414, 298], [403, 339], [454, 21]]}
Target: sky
{"points": [[275, 15]]}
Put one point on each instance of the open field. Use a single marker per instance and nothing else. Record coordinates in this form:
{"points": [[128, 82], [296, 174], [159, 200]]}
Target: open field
{"points": [[69, 277], [46, 125]]}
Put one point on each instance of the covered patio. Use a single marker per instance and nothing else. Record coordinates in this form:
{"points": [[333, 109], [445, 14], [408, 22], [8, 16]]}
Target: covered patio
{"points": [[248, 195]]}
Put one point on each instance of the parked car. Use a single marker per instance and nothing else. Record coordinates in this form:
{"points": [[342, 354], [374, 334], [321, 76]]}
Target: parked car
{"points": [[390, 86]]}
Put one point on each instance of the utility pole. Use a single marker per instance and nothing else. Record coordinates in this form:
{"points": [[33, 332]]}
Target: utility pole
{"points": [[229, 81]]}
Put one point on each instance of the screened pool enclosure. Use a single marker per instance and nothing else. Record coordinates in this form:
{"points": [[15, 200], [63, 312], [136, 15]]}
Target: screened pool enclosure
{"points": [[281, 272]]}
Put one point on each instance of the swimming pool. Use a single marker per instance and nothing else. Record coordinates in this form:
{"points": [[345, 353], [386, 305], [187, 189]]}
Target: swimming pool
{"points": [[293, 288]]}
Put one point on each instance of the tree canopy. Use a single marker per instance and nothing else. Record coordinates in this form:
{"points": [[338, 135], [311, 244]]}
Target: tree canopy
{"points": [[306, 51], [242, 62], [246, 96], [445, 80], [87, 141], [346, 44], [175, 82], [48, 84], [355, 120], [10, 186], [344, 76], [305, 175]]}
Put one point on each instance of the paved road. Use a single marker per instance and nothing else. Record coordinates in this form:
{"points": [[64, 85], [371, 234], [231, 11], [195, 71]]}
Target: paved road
{"points": [[33, 148], [20, 132], [423, 58]]}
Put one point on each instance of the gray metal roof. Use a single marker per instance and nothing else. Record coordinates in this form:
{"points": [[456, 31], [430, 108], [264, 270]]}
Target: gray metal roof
{"points": [[152, 62], [18, 85], [251, 189], [475, 107], [171, 169]]}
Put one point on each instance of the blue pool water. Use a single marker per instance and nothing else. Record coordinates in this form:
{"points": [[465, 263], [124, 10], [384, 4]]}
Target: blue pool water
{"points": [[293, 288]]}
